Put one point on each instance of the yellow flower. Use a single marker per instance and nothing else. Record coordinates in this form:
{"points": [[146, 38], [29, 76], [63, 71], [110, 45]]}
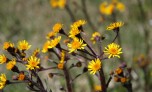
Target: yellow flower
{"points": [[106, 8], [58, 3], [23, 45], [57, 27], [46, 45], [36, 52], [21, 76], [3, 78], [115, 25], [95, 36], [7, 45], [73, 32], [76, 44], [3, 59], [33, 62], [50, 35], [113, 50], [54, 42], [2, 84], [78, 23], [97, 88], [120, 6], [94, 66], [11, 64], [51, 44]]}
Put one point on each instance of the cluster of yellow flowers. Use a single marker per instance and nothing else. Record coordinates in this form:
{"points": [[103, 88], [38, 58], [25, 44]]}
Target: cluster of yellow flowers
{"points": [[108, 8]]}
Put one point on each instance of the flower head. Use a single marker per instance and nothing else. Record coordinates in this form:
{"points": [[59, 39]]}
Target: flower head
{"points": [[106, 8], [3, 59], [36, 52], [33, 63], [57, 27], [21, 76], [97, 88], [51, 44], [73, 32], [95, 37], [46, 45], [11, 64], [76, 44], [58, 3], [115, 25], [51, 35], [78, 23], [54, 42], [7, 45], [3, 78], [113, 50], [94, 66], [2, 84], [23, 45]]}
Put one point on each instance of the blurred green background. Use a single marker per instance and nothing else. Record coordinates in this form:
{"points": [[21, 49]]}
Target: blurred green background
{"points": [[33, 19]]}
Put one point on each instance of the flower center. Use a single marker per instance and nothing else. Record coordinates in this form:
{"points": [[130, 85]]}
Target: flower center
{"points": [[76, 45], [113, 51]]}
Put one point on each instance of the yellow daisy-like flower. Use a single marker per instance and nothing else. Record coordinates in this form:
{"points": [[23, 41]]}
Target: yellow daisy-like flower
{"points": [[7, 45], [54, 42], [78, 23], [57, 27], [2, 84], [73, 32], [23, 45], [33, 63], [11, 64], [76, 44], [36, 52], [106, 8], [120, 6], [97, 88], [50, 35], [3, 59], [58, 3], [113, 50], [115, 25], [3, 78], [94, 66], [46, 45], [95, 36]]}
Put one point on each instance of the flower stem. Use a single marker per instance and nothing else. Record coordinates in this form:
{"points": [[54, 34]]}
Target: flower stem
{"points": [[67, 77], [102, 80]]}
